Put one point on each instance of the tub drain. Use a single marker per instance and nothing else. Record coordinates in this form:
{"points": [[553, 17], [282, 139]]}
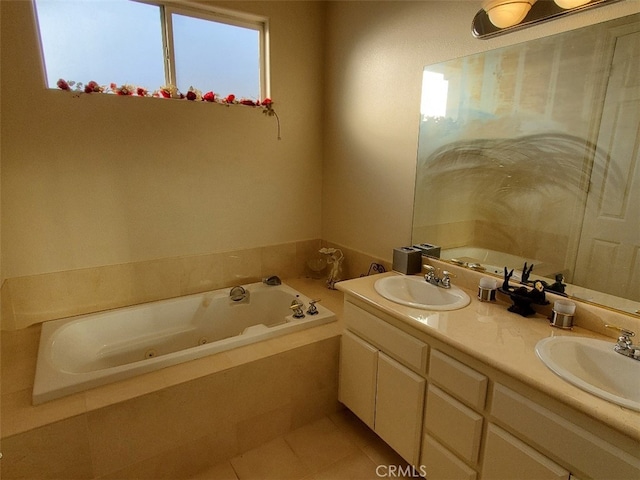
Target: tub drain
{"points": [[150, 353], [202, 340]]}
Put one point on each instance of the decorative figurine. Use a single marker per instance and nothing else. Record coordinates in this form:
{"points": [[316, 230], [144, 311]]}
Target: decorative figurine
{"points": [[505, 284], [526, 273], [335, 257], [557, 286], [522, 297]]}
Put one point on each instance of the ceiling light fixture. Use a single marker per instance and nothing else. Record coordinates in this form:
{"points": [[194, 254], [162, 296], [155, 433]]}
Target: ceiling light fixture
{"points": [[497, 17]]}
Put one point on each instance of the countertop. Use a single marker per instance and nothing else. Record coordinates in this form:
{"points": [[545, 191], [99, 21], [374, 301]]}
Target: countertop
{"points": [[505, 341]]}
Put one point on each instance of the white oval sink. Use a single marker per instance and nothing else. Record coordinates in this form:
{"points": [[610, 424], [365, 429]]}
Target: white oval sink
{"points": [[593, 366], [414, 291]]}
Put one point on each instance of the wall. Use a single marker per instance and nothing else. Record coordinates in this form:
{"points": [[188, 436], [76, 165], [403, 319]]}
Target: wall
{"points": [[377, 52], [97, 187]]}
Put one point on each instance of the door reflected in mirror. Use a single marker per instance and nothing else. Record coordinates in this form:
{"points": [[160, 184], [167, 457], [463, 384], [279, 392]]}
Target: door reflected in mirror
{"points": [[529, 153]]}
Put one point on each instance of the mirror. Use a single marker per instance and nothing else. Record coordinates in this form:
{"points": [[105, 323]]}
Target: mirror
{"points": [[529, 153]]}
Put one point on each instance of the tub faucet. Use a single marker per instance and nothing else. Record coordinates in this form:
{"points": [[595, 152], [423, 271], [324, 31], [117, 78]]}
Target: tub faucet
{"points": [[297, 307], [238, 293], [273, 280], [624, 345], [312, 310], [432, 277]]}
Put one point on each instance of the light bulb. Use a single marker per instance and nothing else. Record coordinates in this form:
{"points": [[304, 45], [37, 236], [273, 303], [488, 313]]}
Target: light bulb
{"points": [[508, 13], [569, 4]]}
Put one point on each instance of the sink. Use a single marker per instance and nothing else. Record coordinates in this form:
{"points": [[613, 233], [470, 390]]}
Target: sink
{"points": [[414, 291], [593, 366]]}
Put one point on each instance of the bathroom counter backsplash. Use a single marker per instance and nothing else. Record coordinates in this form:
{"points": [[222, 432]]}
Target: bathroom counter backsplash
{"points": [[20, 349], [506, 341]]}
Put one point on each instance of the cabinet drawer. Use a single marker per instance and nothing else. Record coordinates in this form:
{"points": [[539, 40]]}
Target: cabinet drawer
{"points": [[438, 462], [398, 344], [453, 423], [506, 458], [585, 453], [455, 377]]}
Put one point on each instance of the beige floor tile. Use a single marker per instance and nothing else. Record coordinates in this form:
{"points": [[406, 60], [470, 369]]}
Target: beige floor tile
{"points": [[320, 444], [354, 428], [274, 460], [356, 466], [221, 471], [381, 454]]}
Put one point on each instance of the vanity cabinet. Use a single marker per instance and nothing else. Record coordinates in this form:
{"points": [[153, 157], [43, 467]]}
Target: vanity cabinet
{"points": [[455, 417], [384, 393]]}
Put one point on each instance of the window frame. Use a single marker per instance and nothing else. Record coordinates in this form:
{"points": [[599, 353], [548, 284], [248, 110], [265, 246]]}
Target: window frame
{"points": [[205, 12], [228, 17]]}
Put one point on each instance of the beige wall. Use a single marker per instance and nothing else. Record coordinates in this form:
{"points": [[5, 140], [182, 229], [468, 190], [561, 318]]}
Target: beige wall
{"points": [[102, 180], [141, 191], [376, 52]]}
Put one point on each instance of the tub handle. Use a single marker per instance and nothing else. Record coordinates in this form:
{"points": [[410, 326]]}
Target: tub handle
{"points": [[297, 307], [312, 310]]}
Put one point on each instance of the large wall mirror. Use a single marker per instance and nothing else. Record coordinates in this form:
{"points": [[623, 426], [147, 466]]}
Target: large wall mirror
{"points": [[529, 153]]}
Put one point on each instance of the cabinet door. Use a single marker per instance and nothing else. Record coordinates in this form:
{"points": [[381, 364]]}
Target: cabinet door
{"points": [[506, 457], [358, 367], [399, 404]]}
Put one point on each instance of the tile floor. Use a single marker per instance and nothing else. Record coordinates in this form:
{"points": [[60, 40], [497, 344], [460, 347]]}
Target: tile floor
{"points": [[336, 447]]}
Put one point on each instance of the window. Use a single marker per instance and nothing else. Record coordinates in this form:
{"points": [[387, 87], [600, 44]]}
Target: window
{"points": [[130, 42]]}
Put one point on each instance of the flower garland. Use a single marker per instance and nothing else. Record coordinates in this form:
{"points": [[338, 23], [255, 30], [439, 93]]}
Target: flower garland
{"points": [[169, 91]]}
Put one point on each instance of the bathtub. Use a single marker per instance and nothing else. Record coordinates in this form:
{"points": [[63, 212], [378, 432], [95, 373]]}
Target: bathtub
{"points": [[83, 352], [494, 262]]}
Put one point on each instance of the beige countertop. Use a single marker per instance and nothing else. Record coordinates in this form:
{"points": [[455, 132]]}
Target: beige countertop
{"points": [[502, 340]]}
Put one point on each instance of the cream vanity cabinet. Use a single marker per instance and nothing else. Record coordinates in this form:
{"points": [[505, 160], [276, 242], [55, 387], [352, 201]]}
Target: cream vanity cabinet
{"points": [[385, 392], [462, 419]]}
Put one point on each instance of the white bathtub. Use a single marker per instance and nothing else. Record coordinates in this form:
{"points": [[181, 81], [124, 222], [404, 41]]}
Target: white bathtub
{"points": [[494, 261], [90, 350]]}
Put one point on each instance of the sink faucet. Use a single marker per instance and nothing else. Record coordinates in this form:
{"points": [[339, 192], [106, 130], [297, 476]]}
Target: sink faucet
{"points": [[432, 277], [624, 345]]}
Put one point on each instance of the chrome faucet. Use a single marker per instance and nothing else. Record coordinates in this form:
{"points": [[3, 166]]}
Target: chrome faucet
{"points": [[312, 310], [432, 277], [238, 293], [624, 345], [273, 280], [297, 306]]}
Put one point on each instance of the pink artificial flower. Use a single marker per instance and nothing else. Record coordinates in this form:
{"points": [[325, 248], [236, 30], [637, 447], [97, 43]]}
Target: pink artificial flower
{"points": [[209, 97], [92, 87], [230, 98], [63, 85]]}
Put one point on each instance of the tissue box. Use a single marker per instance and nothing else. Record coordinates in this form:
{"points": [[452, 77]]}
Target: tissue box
{"points": [[429, 250], [407, 260]]}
